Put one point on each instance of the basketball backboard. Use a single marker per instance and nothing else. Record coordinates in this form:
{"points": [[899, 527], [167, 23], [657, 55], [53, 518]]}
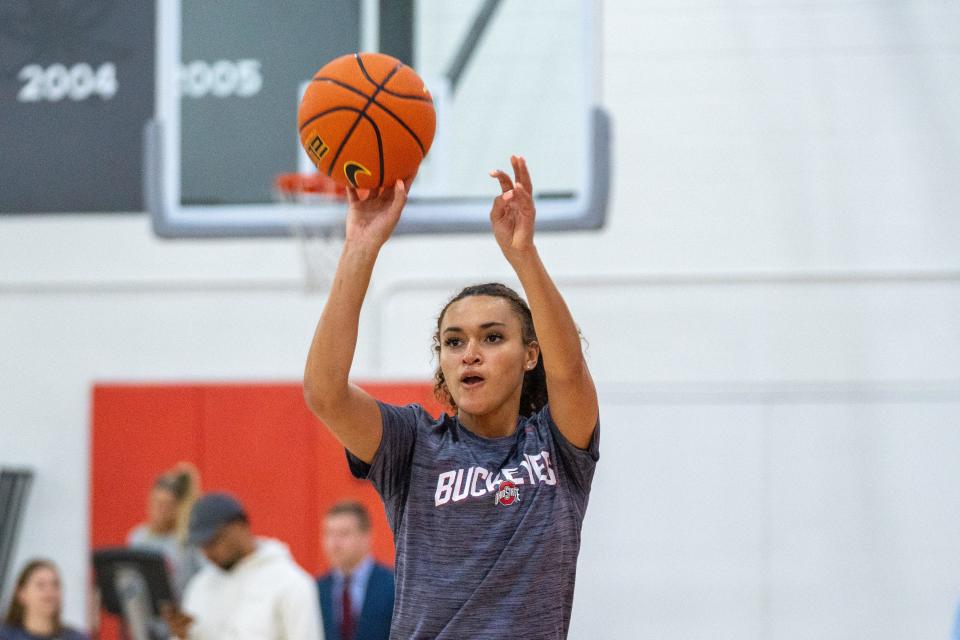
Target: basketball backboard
{"points": [[507, 76]]}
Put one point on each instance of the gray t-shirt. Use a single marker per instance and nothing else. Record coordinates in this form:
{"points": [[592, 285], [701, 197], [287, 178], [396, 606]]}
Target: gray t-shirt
{"points": [[487, 531], [183, 560]]}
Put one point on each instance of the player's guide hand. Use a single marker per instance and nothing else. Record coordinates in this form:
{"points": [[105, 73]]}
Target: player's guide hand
{"points": [[513, 213]]}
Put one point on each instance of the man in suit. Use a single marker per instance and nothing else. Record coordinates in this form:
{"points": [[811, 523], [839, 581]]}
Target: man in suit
{"points": [[356, 596]]}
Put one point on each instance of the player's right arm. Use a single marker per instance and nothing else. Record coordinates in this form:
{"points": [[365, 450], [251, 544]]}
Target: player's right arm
{"points": [[351, 413]]}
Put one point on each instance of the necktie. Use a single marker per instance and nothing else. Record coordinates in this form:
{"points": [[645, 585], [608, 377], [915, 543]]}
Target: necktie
{"points": [[346, 614]]}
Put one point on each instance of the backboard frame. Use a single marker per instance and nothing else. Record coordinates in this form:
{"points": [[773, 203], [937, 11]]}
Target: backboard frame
{"points": [[172, 219]]}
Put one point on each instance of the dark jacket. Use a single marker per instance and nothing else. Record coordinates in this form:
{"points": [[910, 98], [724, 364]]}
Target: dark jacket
{"points": [[16, 633], [374, 621]]}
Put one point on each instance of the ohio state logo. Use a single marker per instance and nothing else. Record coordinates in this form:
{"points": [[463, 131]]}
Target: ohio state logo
{"points": [[508, 493]]}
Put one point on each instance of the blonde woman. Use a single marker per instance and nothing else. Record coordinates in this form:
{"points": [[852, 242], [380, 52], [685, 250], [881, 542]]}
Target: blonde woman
{"points": [[168, 511]]}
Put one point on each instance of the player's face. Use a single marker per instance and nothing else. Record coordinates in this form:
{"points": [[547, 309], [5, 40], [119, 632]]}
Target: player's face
{"points": [[344, 542], [482, 354], [40, 595]]}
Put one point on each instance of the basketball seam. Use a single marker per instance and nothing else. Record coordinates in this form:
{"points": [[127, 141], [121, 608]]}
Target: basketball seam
{"points": [[390, 113], [353, 127], [395, 94], [360, 114]]}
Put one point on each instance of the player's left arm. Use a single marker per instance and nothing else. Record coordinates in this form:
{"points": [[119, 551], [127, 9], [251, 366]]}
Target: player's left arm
{"points": [[573, 396]]}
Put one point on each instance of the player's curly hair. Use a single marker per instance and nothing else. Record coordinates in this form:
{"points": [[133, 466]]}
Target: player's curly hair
{"points": [[533, 396]]}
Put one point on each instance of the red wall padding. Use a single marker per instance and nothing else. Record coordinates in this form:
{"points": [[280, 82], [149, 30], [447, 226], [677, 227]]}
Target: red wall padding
{"points": [[258, 441]]}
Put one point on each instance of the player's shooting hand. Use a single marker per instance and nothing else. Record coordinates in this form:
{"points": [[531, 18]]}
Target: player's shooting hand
{"points": [[373, 216], [178, 622], [513, 213]]}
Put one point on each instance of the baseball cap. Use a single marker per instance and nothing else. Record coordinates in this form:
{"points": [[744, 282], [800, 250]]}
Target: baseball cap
{"points": [[209, 514]]}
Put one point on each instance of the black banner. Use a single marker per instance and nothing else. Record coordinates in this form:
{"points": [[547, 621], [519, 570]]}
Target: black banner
{"points": [[76, 88]]}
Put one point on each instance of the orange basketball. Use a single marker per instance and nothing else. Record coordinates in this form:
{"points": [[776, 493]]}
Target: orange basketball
{"points": [[367, 120]]}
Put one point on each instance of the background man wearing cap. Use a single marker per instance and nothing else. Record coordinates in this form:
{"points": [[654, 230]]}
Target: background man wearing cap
{"points": [[252, 588]]}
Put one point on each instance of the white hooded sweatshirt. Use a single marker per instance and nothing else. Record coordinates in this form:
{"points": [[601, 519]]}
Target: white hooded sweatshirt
{"points": [[266, 596]]}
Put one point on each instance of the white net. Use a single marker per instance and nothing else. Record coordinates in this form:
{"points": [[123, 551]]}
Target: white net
{"points": [[319, 252], [315, 197]]}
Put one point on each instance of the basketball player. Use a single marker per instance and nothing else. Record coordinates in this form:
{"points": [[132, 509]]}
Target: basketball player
{"points": [[486, 504]]}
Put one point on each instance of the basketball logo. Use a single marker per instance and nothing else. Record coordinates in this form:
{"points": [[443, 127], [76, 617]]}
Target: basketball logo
{"points": [[351, 169], [508, 493], [318, 148]]}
